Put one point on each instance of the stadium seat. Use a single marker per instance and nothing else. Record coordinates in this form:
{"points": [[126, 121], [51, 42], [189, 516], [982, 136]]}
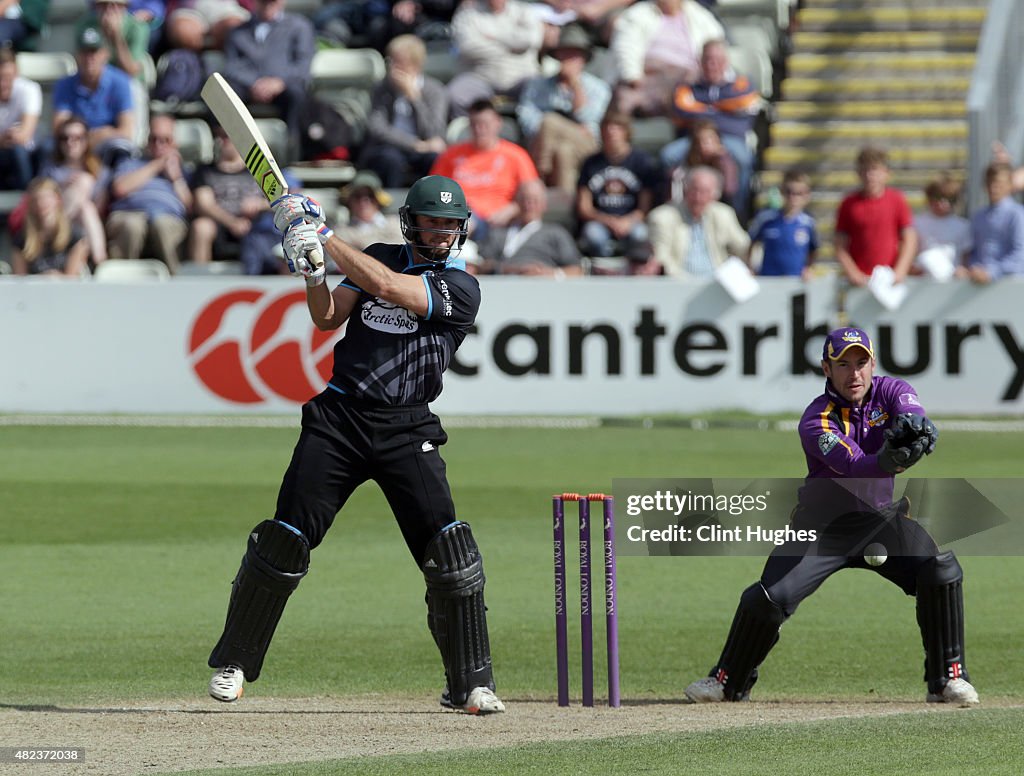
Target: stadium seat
{"points": [[652, 134], [755, 64], [223, 268], [335, 69], [275, 131], [9, 200], [45, 68], [458, 130], [131, 270], [441, 64], [195, 140], [561, 208], [213, 60], [775, 11], [328, 197]]}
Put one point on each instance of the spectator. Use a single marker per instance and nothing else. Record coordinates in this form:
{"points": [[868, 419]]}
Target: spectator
{"points": [[102, 95], [126, 37], [726, 99], [489, 168], [426, 19], [151, 13], [127, 42], [374, 23], [198, 25], [22, 22], [498, 43], [874, 226], [354, 23], [560, 115], [268, 60], [408, 118], [598, 16], [997, 230], [49, 244], [528, 246], [1001, 154], [694, 238], [944, 238], [21, 103], [788, 235], [615, 193], [231, 215], [707, 150], [365, 200], [83, 181], [150, 200], [656, 45]]}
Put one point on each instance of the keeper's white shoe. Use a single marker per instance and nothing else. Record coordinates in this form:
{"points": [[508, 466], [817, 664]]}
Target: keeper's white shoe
{"points": [[227, 684], [481, 700], [957, 691], [706, 690]]}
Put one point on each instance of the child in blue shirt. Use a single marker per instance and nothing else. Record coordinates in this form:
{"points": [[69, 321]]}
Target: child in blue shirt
{"points": [[788, 235]]}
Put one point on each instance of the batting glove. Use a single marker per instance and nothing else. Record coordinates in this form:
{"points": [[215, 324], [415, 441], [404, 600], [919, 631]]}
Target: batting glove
{"points": [[304, 254], [296, 207]]}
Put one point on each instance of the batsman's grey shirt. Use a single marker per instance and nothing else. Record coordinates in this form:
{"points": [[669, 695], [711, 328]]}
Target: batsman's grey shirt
{"points": [[392, 356]]}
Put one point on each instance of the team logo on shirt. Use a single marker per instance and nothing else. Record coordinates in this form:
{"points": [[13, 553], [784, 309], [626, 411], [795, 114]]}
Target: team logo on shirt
{"points": [[446, 197], [389, 318], [446, 298], [827, 441], [877, 417]]}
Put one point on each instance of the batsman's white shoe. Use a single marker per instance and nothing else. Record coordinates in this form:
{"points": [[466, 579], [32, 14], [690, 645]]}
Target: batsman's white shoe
{"points": [[481, 700], [706, 690], [957, 691], [227, 684]]}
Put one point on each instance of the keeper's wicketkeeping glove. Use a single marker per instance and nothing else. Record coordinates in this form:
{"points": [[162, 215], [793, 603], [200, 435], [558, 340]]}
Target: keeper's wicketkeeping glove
{"points": [[909, 429]]}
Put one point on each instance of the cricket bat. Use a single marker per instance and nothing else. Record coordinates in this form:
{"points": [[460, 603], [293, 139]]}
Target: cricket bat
{"points": [[239, 125]]}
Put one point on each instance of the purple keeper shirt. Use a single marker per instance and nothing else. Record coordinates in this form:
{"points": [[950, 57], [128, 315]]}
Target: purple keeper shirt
{"points": [[841, 441]]}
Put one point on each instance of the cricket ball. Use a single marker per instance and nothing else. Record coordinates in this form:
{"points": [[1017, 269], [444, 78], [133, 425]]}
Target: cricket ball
{"points": [[875, 554]]}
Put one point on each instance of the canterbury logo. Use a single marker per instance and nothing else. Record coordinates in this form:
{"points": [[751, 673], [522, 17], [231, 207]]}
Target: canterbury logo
{"points": [[426, 448], [252, 346]]}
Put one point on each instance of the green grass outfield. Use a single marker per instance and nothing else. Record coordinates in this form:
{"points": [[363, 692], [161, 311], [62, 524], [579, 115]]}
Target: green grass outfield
{"points": [[119, 545]]}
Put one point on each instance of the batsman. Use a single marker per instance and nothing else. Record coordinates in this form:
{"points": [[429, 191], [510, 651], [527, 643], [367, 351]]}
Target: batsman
{"points": [[856, 436], [407, 309]]}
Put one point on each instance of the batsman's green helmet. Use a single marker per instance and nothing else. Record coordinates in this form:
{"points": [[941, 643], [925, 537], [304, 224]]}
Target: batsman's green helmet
{"points": [[438, 197]]}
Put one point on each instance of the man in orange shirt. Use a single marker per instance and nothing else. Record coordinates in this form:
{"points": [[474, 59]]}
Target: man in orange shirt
{"points": [[489, 168]]}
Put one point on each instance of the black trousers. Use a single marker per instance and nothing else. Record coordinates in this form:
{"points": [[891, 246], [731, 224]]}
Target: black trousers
{"points": [[345, 442], [796, 569]]}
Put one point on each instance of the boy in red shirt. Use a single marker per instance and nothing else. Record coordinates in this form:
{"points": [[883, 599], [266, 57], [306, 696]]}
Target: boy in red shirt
{"points": [[874, 225]]}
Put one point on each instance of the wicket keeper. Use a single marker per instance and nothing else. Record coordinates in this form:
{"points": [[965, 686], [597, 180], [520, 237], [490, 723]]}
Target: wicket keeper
{"points": [[407, 308], [862, 431]]}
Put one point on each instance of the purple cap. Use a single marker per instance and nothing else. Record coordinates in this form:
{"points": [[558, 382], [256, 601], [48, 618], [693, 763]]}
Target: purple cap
{"points": [[841, 340]]}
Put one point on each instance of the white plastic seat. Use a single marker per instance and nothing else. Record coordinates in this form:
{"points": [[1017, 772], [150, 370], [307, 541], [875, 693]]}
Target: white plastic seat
{"points": [[194, 139], [226, 267], [131, 271], [338, 68], [45, 67]]}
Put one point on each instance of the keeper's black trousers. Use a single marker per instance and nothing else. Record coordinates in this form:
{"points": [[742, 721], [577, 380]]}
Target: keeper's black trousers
{"points": [[345, 442], [796, 569]]}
